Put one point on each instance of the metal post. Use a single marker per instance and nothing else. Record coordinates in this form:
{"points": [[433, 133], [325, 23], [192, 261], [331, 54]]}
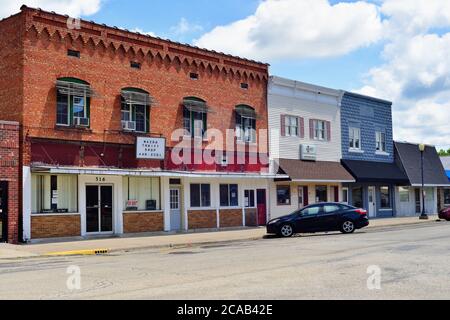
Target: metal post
{"points": [[423, 216]]}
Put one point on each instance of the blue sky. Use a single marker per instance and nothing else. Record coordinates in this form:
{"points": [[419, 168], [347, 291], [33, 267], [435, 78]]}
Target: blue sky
{"points": [[392, 49], [345, 72]]}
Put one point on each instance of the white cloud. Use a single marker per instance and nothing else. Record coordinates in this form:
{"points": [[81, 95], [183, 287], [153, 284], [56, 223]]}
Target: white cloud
{"points": [[294, 29], [185, 27], [416, 77], [74, 8], [416, 16]]}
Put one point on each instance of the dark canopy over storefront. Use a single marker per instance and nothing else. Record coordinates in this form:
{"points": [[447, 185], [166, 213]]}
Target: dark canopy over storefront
{"points": [[372, 172]]}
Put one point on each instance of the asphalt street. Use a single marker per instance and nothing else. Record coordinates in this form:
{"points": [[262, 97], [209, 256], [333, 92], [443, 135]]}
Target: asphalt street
{"points": [[392, 263]]}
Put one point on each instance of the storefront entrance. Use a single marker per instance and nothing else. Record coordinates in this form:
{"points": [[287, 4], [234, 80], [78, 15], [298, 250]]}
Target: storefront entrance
{"points": [[262, 207], [99, 209], [175, 209], [3, 211]]}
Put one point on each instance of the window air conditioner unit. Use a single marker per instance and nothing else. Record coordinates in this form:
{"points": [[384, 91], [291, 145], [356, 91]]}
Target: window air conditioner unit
{"points": [[81, 122], [129, 125]]}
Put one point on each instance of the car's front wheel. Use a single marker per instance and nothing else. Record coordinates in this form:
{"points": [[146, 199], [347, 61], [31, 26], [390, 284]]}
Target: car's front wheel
{"points": [[286, 231], [348, 227]]}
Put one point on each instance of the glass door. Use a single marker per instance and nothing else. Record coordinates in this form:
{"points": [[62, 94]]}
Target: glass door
{"points": [[99, 209]]}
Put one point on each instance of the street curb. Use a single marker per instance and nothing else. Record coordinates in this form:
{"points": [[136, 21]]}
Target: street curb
{"points": [[93, 252]]}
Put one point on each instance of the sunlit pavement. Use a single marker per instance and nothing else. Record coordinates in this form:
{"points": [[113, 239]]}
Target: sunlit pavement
{"points": [[413, 261]]}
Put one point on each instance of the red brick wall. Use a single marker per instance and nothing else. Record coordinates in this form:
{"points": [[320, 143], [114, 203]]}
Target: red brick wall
{"points": [[202, 219], [230, 218], [105, 64], [137, 222], [9, 171], [250, 217], [43, 227]]}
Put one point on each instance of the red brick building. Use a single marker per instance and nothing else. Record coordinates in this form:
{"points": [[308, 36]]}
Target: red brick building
{"points": [[99, 109]]}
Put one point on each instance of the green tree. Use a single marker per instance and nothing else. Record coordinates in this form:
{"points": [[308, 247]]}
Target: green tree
{"points": [[444, 153]]}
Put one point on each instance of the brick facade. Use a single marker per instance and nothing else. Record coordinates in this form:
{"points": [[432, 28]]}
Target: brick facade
{"points": [[52, 226], [105, 64], [202, 219], [137, 222], [34, 55], [9, 172], [230, 218], [251, 217]]}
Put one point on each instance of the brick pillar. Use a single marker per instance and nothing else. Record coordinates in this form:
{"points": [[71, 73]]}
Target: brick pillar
{"points": [[9, 172]]}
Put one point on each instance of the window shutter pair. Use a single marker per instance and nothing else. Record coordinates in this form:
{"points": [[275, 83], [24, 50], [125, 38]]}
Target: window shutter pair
{"points": [[301, 126]]}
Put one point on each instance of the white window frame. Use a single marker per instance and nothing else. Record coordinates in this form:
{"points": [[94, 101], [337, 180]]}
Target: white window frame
{"points": [[354, 135], [84, 105], [254, 199], [345, 191], [292, 126], [380, 142], [248, 133], [132, 107], [320, 130]]}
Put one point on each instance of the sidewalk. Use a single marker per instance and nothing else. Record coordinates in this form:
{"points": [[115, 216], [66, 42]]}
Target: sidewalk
{"points": [[165, 241]]}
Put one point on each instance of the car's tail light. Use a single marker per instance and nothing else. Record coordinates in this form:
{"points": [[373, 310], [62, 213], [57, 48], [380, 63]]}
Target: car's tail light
{"points": [[361, 211]]}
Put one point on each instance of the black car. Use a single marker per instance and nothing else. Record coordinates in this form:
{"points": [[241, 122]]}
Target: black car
{"points": [[320, 218]]}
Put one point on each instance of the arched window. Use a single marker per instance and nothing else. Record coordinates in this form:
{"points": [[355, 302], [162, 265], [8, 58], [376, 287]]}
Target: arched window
{"points": [[73, 102], [135, 110], [195, 117], [245, 123]]}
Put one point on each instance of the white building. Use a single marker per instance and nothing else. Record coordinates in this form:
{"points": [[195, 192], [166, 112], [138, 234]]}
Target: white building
{"points": [[305, 141]]}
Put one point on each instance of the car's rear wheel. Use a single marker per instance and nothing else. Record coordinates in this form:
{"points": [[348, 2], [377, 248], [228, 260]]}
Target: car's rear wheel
{"points": [[286, 231], [348, 227]]}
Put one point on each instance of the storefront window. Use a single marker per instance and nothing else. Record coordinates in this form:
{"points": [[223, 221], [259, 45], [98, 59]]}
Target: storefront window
{"points": [[229, 195], [284, 195], [141, 194], [404, 194], [357, 197], [249, 196], [200, 195], [385, 198], [447, 197], [321, 194], [54, 193]]}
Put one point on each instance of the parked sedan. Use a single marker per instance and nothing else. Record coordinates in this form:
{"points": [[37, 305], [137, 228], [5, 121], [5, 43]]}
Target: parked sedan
{"points": [[444, 214], [320, 218]]}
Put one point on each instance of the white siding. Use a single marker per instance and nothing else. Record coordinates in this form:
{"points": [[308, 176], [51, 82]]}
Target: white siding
{"points": [[408, 209], [307, 104]]}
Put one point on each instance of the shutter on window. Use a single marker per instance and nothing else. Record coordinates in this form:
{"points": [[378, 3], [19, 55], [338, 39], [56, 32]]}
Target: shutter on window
{"points": [[301, 123], [311, 129], [283, 125], [328, 124], [305, 196]]}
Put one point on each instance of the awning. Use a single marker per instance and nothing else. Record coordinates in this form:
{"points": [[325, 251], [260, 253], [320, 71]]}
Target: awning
{"points": [[369, 171], [433, 171], [246, 111], [74, 89], [315, 171], [150, 173], [195, 105], [134, 97], [448, 174]]}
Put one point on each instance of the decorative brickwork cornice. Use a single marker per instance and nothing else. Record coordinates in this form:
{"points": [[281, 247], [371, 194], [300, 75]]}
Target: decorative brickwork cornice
{"points": [[51, 27]]}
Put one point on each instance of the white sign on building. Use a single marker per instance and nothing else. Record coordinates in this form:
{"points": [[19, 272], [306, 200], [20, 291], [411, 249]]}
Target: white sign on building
{"points": [[150, 148], [308, 152]]}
